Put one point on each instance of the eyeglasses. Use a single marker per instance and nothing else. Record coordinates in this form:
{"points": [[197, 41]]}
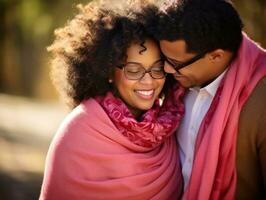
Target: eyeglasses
{"points": [[136, 71], [177, 66]]}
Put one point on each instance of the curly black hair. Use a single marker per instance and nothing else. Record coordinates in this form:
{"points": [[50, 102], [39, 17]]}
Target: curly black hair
{"points": [[205, 25], [86, 51]]}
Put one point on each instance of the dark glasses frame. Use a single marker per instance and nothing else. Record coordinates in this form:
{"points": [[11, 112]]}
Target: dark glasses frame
{"points": [[178, 66]]}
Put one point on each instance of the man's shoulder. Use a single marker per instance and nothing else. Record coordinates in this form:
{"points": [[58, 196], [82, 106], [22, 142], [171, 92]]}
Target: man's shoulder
{"points": [[258, 95], [251, 143], [261, 86], [253, 112]]}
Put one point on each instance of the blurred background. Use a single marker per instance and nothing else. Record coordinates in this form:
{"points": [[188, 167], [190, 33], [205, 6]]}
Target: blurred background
{"points": [[30, 110]]}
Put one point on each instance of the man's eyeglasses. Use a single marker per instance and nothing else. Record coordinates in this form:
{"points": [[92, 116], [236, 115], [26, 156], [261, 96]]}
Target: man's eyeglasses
{"points": [[135, 71], [177, 66]]}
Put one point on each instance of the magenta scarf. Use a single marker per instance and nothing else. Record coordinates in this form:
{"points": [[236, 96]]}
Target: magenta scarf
{"points": [[156, 124], [214, 169]]}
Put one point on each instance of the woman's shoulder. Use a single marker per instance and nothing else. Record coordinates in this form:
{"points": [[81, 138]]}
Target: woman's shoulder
{"points": [[86, 113], [80, 120]]}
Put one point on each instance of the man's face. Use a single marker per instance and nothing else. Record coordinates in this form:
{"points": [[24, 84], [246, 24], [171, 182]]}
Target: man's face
{"points": [[188, 68]]}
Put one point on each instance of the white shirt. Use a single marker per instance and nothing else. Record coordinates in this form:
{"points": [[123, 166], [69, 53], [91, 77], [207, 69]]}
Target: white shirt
{"points": [[197, 102]]}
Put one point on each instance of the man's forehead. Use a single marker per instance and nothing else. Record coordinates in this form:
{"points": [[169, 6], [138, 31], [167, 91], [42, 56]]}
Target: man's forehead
{"points": [[177, 45]]}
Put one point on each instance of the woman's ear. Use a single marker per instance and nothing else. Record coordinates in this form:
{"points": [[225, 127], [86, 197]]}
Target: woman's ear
{"points": [[216, 55], [112, 85]]}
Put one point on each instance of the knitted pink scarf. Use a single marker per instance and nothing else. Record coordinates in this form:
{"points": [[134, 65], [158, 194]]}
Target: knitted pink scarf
{"points": [[214, 169]]}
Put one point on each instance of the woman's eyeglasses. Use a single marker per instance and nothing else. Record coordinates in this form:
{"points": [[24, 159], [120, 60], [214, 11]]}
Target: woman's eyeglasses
{"points": [[136, 71]]}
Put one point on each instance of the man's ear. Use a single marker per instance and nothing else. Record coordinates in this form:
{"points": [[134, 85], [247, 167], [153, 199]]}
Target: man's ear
{"points": [[216, 55]]}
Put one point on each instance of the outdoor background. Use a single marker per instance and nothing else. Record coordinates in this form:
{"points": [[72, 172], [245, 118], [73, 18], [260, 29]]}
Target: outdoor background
{"points": [[30, 110]]}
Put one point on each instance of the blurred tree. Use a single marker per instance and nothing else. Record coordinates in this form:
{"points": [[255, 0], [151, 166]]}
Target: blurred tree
{"points": [[26, 32], [253, 14]]}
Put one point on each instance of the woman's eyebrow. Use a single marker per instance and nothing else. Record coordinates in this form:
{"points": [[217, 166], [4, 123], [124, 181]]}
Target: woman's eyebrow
{"points": [[132, 62]]}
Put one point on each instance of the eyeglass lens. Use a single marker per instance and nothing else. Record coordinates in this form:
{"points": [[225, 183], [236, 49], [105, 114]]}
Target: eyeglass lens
{"points": [[135, 71]]}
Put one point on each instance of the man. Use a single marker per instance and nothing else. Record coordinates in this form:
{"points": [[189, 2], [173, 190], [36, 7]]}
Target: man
{"points": [[222, 138]]}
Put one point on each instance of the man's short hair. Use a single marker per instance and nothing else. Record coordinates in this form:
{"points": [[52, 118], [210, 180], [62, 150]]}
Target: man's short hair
{"points": [[205, 25]]}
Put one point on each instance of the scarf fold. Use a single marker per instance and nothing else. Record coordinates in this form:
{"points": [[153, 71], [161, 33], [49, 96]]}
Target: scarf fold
{"points": [[89, 158], [214, 168], [155, 125]]}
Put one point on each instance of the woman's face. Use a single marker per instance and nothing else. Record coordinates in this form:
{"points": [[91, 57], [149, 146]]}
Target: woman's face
{"points": [[140, 94]]}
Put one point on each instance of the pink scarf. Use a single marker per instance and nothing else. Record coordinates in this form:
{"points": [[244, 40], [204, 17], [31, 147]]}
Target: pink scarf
{"points": [[214, 169], [90, 158], [156, 124]]}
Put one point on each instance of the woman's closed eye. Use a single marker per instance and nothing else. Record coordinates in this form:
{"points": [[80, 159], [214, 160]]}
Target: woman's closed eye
{"points": [[133, 69]]}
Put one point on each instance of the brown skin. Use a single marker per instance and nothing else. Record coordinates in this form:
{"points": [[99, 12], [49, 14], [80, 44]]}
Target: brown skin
{"points": [[139, 95], [199, 73]]}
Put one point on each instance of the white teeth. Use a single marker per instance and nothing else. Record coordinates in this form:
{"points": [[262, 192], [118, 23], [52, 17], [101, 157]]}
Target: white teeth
{"points": [[147, 93]]}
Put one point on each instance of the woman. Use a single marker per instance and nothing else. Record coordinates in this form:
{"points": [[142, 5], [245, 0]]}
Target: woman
{"points": [[118, 142]]}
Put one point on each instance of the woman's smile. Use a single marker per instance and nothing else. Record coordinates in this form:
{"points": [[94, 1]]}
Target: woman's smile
{"points": [[145, 94]]}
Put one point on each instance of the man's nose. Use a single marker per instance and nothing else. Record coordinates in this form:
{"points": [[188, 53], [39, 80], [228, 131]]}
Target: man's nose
{"points": [[169, 68]]}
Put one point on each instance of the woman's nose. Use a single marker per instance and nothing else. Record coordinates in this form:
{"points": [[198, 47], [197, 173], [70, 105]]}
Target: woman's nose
{"points": [[146, 78]]}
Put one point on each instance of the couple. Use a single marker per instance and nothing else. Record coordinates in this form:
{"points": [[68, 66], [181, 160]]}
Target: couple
{"points": [[135, 133]]}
